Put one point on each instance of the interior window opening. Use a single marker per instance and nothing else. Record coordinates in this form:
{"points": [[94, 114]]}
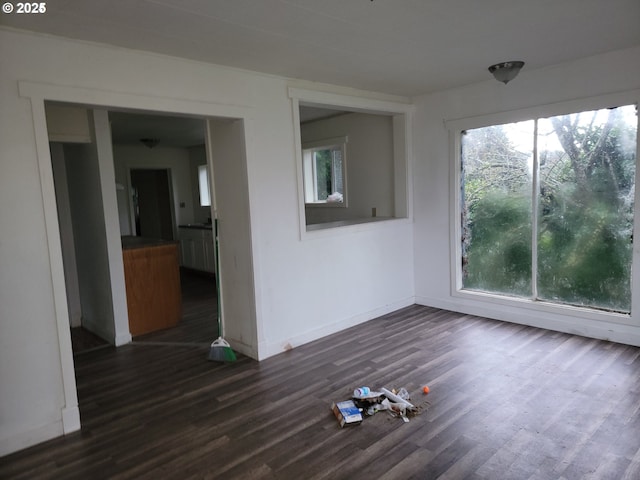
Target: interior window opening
{"points": [[352, 160]]}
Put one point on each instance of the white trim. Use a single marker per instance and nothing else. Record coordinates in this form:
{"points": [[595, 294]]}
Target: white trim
{"points": [[535, 215], [299, 159], [403, 164], [104, 149], [69, 138], [635, 262], [71, 418], [52, 228], [546, 307], [273, 348], [352, 103], [20, 440], [318, 231], [325, 142], [130, 101], [38, 93], [455, 228], [402, 152], [586, 327], [543, 111]]}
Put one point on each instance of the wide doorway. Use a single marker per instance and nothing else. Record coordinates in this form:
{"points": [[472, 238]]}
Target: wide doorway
{"points": [[111, 192]]}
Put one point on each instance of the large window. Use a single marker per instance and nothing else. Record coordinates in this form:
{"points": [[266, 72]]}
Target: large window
{"points": [[547, 208]]}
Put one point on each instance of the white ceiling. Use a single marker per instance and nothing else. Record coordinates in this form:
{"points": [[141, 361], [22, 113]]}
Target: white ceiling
{"points": [[405, 47], [129, 128]]}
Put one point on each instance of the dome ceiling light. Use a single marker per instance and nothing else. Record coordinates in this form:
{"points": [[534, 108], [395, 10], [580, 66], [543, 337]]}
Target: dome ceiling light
{"points": [[506, 71]]}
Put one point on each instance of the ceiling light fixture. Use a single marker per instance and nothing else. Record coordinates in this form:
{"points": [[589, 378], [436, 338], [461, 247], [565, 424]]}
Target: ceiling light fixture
{"points": [[150, 142], [506, 71]]}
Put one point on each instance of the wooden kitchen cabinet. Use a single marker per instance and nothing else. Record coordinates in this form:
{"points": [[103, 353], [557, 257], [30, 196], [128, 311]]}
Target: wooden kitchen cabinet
{"points": [[152, 278]]}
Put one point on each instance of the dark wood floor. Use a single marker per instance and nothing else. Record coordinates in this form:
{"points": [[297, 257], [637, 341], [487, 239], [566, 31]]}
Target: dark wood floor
{"points": [[198, 325], [506, 402]]}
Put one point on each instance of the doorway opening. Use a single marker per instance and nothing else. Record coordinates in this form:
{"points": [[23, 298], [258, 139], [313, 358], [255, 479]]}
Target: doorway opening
{"points": [[231, 154], [151, 201], [155, 190]]}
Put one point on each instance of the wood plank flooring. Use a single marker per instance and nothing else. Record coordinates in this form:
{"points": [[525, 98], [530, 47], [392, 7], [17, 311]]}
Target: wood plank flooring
{"points": [[199, 323], [506, 402]]}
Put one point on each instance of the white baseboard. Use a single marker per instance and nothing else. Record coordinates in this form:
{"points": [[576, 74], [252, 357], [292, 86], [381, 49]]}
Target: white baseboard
{"points": [[269, 349], [123, 339], [585, 327], [21, 440], [69, 423], [70, 419], [242, 348]]}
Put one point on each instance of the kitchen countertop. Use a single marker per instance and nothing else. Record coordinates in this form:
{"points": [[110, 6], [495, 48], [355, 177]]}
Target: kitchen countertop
{"points": [[129, 242], [198, 226]]}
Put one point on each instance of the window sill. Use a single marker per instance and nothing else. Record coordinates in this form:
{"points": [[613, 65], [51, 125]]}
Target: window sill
{"points": [[326, 205], [545, 307], [331, 229]]}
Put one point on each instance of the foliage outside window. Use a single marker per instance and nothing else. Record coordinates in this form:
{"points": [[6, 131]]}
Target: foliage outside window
{"points": [[325, 172], [547, 208]]}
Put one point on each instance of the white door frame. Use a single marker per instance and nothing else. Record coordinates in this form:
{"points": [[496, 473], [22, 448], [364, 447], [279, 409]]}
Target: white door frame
{"points": [[38, 93]]}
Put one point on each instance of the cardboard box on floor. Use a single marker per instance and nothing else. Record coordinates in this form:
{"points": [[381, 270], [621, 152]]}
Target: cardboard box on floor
{"points": [[347, 413]]}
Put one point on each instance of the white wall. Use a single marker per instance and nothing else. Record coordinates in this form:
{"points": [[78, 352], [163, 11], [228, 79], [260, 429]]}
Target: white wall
{"points": [[231, 200], [66, 234], [93, 209], [364, 270], [127, 157], [90, 239], [370, 165], [589, 77], [68, 124], [99, 121]]}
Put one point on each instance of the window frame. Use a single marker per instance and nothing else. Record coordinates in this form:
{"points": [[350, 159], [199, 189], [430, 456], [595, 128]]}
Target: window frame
{"points": [[401, 110], [455, 128], [310, 171]]}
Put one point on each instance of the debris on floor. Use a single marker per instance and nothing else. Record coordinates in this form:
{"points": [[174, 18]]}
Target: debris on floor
{"points": [[347, 413], [368, 402]]}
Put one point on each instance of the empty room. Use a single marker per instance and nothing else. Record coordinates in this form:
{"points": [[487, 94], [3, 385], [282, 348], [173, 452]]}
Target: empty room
{"points": [[257, 207]]}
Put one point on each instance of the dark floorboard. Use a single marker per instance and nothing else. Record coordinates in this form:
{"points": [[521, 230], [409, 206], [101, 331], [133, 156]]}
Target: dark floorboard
{"points": [[506, 402], [198, 325], [82, 340]]}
